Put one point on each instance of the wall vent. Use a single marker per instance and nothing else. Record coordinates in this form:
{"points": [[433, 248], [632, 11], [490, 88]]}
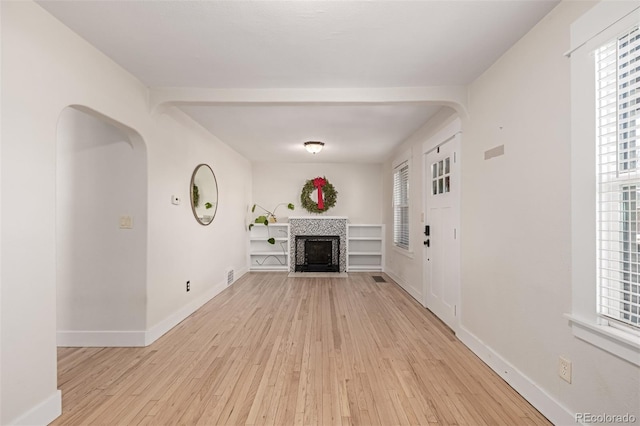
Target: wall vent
{"points": [[230, 276]]}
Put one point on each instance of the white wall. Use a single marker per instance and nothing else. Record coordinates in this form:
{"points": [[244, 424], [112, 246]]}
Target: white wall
{"points": [[406, 268], [180, 249], [359, 188], [515, 230], [515, 222], [516, 243], [101, 269], [45, 68], [1, 180]]}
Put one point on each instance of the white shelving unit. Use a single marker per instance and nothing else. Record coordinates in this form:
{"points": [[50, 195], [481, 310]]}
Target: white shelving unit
{"points": [[264, 256], [365, 247]]}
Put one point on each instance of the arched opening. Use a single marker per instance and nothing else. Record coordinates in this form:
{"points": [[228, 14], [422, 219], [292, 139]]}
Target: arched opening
{"points": [[101, 231]]}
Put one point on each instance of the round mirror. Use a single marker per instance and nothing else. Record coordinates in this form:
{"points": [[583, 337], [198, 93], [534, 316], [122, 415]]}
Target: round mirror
{"points": [[204, 194]]}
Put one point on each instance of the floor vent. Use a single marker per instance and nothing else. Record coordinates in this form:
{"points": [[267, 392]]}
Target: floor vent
{"points": [[230, 276], [378, 279]]}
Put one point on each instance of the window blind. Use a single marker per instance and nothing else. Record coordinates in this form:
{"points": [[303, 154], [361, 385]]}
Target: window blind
{"points": [[401, 205], [618, 170]]}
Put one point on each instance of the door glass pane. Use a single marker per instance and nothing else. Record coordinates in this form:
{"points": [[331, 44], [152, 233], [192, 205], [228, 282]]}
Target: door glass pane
{"points": [[440, 185], [446, 184], [435, 187], [440, 168], [434, 170], [446, 165]]}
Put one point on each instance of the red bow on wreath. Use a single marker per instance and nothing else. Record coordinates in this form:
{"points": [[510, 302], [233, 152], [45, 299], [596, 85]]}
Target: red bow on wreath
{"points": [[319, 183]]}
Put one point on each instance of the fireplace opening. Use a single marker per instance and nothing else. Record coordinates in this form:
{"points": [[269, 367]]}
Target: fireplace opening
{"points": [[317, 253]]}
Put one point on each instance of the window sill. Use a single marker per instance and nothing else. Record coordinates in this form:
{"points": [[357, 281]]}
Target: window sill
{"points": [[403, 252], [617, 342]]}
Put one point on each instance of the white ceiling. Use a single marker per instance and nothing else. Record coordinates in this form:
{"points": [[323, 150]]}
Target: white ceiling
{"points": [[276, 133], [304, 44]]}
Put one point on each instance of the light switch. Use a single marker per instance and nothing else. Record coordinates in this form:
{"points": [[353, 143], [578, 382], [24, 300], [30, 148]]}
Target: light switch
{"points": [[126, 222]]}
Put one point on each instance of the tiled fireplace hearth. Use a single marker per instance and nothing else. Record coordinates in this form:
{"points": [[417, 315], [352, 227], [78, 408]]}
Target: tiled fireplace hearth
{"points": [[325, 229]]}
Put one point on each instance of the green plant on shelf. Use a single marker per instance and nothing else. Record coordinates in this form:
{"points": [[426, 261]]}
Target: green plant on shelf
{"points": [[269, 216]]}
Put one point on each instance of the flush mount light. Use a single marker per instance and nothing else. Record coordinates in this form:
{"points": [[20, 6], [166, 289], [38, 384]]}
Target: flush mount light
{"points": [[314, 146]]}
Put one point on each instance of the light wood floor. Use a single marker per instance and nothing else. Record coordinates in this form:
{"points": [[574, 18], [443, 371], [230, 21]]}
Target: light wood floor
{"points": [[288, 351]]}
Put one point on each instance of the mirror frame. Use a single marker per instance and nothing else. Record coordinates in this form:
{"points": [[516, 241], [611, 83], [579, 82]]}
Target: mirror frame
{"points": [[193, 207]]}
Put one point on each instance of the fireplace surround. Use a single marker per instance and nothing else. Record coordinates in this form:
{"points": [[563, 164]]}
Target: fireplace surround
{"points": [[320, 228], [317, 253]]}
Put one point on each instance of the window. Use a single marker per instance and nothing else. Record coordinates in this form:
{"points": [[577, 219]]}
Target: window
{"points": [[605, 178], [441, 176], [401, 205], [617, 95]]}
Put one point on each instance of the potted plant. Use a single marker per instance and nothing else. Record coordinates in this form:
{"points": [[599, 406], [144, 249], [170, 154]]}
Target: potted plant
{"points": [[268, 216]]}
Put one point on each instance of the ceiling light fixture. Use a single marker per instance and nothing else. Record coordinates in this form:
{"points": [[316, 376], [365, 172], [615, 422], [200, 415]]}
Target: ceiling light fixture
{"points": [[314, 146]]}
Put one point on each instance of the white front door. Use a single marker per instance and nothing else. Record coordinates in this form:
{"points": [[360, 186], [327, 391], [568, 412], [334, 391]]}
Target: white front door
{"points": [[441, 286]]}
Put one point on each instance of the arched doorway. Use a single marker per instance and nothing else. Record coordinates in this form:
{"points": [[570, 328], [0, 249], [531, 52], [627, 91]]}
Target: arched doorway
{"points": [[101, 231]]}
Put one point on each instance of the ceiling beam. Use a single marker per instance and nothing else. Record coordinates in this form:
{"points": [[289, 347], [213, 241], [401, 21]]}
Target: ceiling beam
{"points": [[451, 96]]}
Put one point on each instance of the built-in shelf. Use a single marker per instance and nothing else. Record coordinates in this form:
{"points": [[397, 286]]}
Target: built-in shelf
{"points": [[363, 268], [365, 247], [269, 253], [267, 268], [264, 256]]}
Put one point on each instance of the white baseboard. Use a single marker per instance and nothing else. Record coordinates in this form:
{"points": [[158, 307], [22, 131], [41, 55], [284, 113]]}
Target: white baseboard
{"points": [[240, 272], [155, 332], [412, 292], [68, 338], [542, 401], [43, 413], [89, 339]]}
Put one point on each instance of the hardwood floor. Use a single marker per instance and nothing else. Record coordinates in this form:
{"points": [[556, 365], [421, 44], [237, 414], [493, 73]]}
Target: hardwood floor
{"points": [[289, 351]]}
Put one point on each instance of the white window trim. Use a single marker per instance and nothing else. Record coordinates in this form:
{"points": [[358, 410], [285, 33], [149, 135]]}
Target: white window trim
{"points": [[405, 252], [600, 24], [611, 339], [403, 157]]}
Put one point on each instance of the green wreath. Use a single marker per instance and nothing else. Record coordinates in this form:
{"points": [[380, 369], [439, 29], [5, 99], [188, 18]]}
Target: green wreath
{"points": [[329, 195]]}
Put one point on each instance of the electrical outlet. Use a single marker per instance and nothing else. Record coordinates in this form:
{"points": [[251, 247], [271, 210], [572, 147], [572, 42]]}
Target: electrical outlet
{"points": [[188, 285], [564, 369]]}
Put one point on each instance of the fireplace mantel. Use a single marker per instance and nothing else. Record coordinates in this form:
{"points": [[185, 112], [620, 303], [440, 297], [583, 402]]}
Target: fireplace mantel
{"points": [[318, 217], [319, 226]]}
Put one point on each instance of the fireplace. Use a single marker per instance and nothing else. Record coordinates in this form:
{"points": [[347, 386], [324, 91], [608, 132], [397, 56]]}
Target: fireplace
{"points": [[317, 253], [323, 228]]}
